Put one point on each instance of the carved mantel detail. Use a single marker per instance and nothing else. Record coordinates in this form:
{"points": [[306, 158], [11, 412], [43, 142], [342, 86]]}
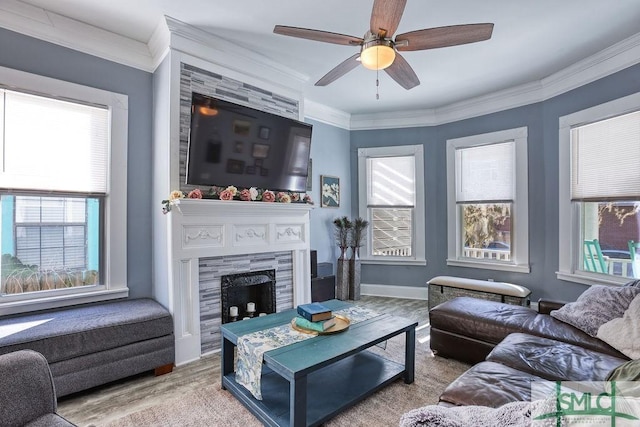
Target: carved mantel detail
{"points": [[251, 233], [203, 234], [289, 233]]}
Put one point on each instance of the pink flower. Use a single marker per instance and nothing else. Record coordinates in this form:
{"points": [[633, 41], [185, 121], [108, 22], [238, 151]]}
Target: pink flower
{"points": [[195, 194], [295, 197], [307, 199], [226, 195], [284, 198], [268, 196], [245, 195]]}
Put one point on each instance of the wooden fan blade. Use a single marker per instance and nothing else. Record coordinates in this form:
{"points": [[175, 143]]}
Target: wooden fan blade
{"points": [[343, 68], [401, 72], [386, 15], [317, 35], [432, 38]]}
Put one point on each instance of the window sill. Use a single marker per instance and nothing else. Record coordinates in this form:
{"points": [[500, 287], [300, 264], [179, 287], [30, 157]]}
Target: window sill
{"points": [[10, 305], [395, 261], [516, 268], [592, 279]]}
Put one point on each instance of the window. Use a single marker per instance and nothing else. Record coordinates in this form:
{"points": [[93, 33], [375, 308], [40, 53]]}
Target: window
{"points": [[392, 200], [62, 211], [600, 193], [488, 201], [51, 232]]}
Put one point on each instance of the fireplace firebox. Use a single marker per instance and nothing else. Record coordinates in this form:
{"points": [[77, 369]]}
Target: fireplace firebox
{"points": [[238, 290]]}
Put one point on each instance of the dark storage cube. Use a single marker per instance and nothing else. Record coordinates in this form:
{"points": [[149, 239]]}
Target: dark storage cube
{"points": [[323, 288]]}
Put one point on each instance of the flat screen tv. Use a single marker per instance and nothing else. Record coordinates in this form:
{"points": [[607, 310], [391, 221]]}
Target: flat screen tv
{"points": [[230, 144]]}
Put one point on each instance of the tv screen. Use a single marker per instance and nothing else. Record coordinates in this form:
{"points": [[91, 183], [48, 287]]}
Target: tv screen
{"points": [[230, 144]]}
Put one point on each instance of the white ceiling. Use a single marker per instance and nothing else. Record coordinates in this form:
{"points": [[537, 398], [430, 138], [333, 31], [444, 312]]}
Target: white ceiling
{"points": [[531, 40]]}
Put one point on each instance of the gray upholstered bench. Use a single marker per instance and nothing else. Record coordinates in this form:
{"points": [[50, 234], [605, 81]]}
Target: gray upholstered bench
{"points": [[445, 288], [93, 344]]}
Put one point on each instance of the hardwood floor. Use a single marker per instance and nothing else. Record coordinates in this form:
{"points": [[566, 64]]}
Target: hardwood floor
{"points": [[107, 403]]}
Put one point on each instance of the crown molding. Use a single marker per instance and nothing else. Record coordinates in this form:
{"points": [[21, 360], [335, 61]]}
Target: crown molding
{"points": [[325, 114], [217, 50], [51, 27], [479, 106], [159, 42], [608, 61]]}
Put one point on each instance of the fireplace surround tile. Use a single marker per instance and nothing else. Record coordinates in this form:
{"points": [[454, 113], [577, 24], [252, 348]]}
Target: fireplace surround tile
{"points": [[212, 269]]}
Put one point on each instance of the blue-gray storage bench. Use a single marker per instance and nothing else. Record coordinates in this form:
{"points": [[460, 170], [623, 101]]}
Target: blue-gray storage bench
{"points": [[93, 344]]}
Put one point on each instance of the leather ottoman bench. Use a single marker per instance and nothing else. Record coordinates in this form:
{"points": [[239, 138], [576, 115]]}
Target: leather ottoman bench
{"points": [[93, 344], [445, 288]]}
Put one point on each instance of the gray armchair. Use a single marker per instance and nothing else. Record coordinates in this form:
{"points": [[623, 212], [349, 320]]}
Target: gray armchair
{"points": [[27, 394]]}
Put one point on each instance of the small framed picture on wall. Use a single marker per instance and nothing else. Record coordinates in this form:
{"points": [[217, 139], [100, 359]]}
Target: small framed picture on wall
{"points": [[329, 191]]}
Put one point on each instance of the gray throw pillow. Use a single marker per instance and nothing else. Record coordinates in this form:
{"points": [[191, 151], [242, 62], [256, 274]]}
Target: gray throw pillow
{"points": [[596, 306]]}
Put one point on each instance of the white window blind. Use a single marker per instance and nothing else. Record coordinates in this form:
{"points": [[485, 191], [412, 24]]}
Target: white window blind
{"points": [[54, 145], [605, 159], [485, 173], [391, 181]]}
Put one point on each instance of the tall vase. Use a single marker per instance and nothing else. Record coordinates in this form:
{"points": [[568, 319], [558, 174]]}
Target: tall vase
{"points": [[354, 274], [342, 276]]}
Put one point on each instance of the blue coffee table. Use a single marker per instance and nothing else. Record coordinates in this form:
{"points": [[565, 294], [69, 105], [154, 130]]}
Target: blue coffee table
{"points": [[307, 383]]}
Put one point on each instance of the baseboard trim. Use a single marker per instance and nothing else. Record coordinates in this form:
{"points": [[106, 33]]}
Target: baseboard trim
{"points": [[407, 292]]}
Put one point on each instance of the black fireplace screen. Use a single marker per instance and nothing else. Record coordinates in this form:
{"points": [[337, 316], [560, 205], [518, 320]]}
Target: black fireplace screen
{"points": [[241, 290]]}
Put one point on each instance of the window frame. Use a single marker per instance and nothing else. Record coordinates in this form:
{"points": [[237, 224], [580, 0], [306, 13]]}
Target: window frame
{"points": [[418, 221], [519, 211], [569, 214], [114, 248]]}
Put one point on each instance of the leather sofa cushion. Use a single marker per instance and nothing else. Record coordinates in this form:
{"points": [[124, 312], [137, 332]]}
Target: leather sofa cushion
{"points": [[553, 360], [489, 384], [484, 320], [492, 321]]}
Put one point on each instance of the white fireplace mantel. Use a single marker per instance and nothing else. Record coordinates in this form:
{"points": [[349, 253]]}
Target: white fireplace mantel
{"points": [[212, 228]]}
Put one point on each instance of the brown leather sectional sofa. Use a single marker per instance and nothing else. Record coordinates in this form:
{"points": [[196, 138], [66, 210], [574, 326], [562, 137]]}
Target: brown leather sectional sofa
{"points": [[511, 346]]}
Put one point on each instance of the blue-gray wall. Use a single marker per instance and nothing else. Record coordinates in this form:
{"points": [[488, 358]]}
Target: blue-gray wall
{"points": [[542, 122], [330, 155], [35, 56]]}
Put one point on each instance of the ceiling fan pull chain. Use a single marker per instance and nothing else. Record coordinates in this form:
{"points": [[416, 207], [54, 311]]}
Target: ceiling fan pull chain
{"points": [[377, 74]]}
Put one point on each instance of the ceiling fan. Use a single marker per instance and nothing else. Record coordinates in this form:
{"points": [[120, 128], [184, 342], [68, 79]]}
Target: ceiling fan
{"points": [[379, 51]]}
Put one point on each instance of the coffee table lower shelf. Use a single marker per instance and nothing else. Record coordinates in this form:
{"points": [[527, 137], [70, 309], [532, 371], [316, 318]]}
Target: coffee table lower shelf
{"points": [[330, 389]]}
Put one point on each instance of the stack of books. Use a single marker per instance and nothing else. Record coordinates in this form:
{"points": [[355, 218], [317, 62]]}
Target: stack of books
{"points": [[315, 317]]}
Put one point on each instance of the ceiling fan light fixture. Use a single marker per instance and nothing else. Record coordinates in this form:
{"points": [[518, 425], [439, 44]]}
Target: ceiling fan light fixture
{"points": [[377, 54]]}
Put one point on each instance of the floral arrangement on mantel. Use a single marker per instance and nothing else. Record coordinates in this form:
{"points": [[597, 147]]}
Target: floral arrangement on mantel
{"points": [[232, 193]]}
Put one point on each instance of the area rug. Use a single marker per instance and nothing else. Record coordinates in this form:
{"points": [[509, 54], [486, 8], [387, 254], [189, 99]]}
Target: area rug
{"points": [[212, 406]]}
